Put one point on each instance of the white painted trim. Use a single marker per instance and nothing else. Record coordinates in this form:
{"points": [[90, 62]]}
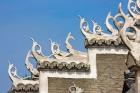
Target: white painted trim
{"points": [[43, 83], [92, 52]]}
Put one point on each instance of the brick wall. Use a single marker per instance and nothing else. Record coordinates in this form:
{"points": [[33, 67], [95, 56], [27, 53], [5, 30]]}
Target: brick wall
{"points": [[110, 69]]}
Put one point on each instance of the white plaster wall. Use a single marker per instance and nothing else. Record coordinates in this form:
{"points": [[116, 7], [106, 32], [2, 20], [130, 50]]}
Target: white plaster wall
{"points": [[43, 82], [92, 52]]}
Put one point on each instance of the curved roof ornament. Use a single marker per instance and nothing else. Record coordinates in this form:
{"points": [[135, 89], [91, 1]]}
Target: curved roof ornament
{"points": [[36, 51], [128, 23], [57, 55], [133, 9], [132, 22], [70, 48], [56, 52], [54, 48], [84, 27], [29, 66], [119, 24], [98, 37], [12, 71], [68, 45], [96, 28], [36, 47], [133, 44], [70, 53], [109, 26]]}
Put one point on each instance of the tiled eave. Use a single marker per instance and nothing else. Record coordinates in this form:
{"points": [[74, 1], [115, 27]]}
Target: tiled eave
{"points": [[64, 66], [104, 43], [25, 88]]}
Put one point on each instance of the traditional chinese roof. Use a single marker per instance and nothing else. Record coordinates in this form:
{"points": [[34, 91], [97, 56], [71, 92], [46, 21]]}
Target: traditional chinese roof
{"points": [[21, 84], [97, 37], [60, 60], [73, 60]]}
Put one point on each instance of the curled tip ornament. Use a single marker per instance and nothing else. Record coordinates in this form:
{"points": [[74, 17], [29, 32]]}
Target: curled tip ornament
{"points": [[80, 16], [32, 39], [120, 7]]}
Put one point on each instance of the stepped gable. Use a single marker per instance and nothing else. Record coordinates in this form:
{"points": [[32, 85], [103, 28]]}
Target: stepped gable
{"points": [[125, 32], [103, 49]]}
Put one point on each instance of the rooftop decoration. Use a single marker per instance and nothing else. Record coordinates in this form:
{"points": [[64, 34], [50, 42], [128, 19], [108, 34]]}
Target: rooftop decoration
{"points": [[60, 60], [30, 66], [98, 37], [125, 30], [21, 84]]}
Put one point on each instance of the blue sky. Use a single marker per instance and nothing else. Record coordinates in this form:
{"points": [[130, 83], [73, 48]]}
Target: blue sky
{"points": [[44, 19]]}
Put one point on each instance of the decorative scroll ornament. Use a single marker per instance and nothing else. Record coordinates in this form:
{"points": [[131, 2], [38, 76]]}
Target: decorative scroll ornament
{"points": [[56, 52], [70, 48], [109, 26], [36, 47], [131, 39], [133, 45], [98, 36], [36, 51], [133, 8], [68, 45], [57, 55], [59, 60], [129, 32], [84, 27], [75, 89], [118, 24], [29, 66], [97, 28], [12, 71]]}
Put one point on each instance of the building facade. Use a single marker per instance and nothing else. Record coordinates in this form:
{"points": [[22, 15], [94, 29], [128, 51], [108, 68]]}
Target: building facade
{"points": [[110, 65]]}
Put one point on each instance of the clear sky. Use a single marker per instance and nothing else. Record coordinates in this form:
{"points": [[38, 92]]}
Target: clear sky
{"points": [[44, 19]]}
